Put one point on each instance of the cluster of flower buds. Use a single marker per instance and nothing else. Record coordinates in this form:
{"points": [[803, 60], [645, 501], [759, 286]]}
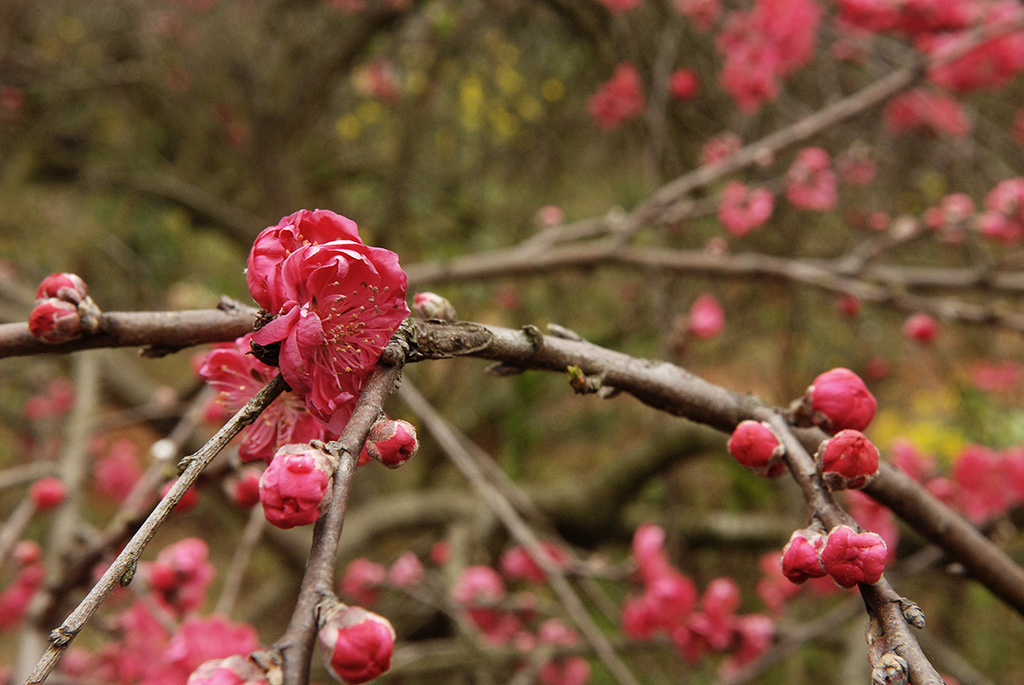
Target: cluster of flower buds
{"points": [[845, 555], [63, 311], [296, 487], [756, 448], [392, 442], [357, 644]]}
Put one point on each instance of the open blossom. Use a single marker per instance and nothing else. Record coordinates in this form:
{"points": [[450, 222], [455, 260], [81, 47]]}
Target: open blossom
{"points": [[743, 209], [337, 303], [237, 375], [925, 112], [357, 644], [990, 64], [181, 574], [296, 487], [810, 182], [618, 99], [1004, 219]]}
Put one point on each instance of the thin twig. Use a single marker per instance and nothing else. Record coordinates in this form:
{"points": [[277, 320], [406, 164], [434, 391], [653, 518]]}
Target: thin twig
{"points": [[495, 499], [240, 560], [123, 567]]}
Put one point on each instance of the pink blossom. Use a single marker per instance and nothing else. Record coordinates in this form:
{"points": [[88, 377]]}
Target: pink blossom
{"points": [[716, 622], [549, 216], [619, 99], [117, 472], [296, 486], [27, 552], [996, 376], [926, 112], [839, 399], [908, 459], [754, 633], [243, 486], [743, 209], [337, 303], [719, 147], [810, 181], [362, 581], [232, 670], [238, 375], [983, 489], [571, 670], [392, 442], [357, 644], [873, 516], [16, 597], [47, 493], [855, 168], [921, 328], [55, 321], [847, 460], [517, 564], [773, 587], [406, 571], [440, 553], [683, 84], [849, 305], [181, 573], [56, 400], [1004, 220], [800, 556], [755, 447], [989, 65], [478, 590], [706, 318], [198, 640], [63, 286], [852, 558]]}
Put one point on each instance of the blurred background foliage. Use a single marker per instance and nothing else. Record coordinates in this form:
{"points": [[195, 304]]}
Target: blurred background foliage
{"points": [[144, 144]]}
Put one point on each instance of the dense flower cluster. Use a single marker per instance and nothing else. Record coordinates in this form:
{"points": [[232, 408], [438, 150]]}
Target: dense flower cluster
{"points": [[926, 112], [336, 301], [669, 606]]}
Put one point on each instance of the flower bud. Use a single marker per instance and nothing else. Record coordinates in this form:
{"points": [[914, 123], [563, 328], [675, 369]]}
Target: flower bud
{"points": [[63, 286], [756, 448], [800, 556], [851, 557], [706, 318], [847, 460], [433, 306], [55, 321], [47, 493], [392, 442], [407, 571], [243, 486], [839, 399], [296, 487], [921, 328], [357, 644], [233, 670]]}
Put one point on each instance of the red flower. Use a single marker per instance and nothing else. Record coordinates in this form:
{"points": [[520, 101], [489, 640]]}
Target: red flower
{"points": [[358, 644], [296, 487], [236, 373], [851, 557], [756, 448], [618, 99], [847, 460], [839, 399], [338, 302], [800, 556]]}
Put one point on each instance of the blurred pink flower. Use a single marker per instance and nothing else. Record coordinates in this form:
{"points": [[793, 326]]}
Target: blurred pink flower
{"points": [[706, 318], [618, 99], [743, 209]]}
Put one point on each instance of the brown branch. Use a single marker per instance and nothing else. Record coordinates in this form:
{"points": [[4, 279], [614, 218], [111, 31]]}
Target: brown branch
{"points": [[123, 567], [295, 647], [159, 332], [678, 392]]}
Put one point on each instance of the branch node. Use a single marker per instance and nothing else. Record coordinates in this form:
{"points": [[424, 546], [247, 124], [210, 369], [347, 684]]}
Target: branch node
{"points": [[534, 336], [61, 637], [912, 613]]}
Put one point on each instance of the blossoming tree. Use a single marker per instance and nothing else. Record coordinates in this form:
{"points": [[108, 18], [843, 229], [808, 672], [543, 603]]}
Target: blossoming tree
{"points": [[610, 549]]}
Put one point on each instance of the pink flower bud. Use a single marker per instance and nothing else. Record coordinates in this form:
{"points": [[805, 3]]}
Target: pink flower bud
{"points": [[517, 564], [407, 571], [47, 493], [357, 644], [433, 306], [181, 573], [683, 84], [362, 581], [234, 670], [55, 321], [839, 399], [243, 487], [392, 442], [756, 448], [800, 556], [851, 557], [847, 460], [63, 286], [706, 318], [921, 328], [27, 552], [296, 487]]}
